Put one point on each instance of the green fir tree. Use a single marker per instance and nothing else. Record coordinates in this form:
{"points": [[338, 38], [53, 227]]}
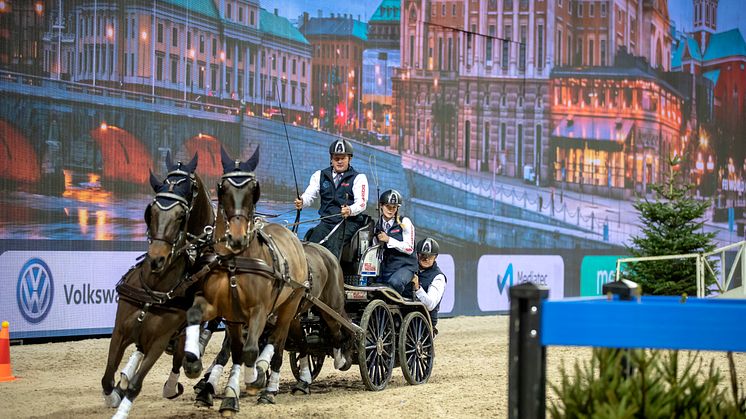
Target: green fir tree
{"points": [[672, 225]]}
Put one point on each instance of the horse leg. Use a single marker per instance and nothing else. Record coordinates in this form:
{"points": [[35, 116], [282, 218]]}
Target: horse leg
{"points": [[117, 344], [209, 382], [230, 405], [173, 388], [129, 369], [273, 387], [303, 385], [192, 361], [151, 355], [342, 360], [254, 378]]}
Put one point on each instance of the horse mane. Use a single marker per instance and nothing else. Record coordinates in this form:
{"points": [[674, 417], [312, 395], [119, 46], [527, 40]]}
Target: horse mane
{"points": [[202, 213]]}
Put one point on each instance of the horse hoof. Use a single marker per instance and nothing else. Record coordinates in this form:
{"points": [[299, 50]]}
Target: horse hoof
{"points": [[192, 369], [348, 362], [252, 391], [201, 384], [113, 399], [267, 397], [229, 407], [124, 381], [204, 397], [301, 387], [179, 391]]}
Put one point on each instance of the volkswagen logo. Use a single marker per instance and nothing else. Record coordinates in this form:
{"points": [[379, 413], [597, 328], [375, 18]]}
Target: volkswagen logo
{"points": [[35, 290]]}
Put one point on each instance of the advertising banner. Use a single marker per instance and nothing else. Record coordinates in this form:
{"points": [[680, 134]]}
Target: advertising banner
{"points": [[446, 264], [497, 273], [595, 271], [59, 293]]}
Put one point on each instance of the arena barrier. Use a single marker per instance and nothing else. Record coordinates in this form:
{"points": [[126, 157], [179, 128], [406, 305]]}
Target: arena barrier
{"points": [[622, 321]]}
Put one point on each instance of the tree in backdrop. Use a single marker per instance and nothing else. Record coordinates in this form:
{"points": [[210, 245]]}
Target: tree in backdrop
{"points": [[672, 225]]}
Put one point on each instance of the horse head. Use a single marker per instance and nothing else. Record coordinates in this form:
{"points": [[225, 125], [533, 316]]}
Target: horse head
{"points": [[238, 193], [167, 216]]}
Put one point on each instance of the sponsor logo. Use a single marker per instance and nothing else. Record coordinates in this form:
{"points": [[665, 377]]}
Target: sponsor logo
{"points": [[497, 273], [595, 271], [86, 294], [35, 290]]}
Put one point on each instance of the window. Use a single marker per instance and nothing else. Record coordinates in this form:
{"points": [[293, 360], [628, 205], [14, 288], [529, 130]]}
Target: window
{"points": [[189, 40], [559, 47], [450, 51], [453, 11], [274, 62], [160, 33], [503, 131], [189, 74], [240, 14], [303, 96], [284, 64], [590, 9], [303, 69], [603, 52], [522, 62], [293, 70], [201, 77], [175, 37], [411, 50], [201, 44], [443, 9], [214, 47], [603, 9], [251, 18], [174, 70], [580, 9], [489, 41], [540, 46], [228, 11], [506, 47]]}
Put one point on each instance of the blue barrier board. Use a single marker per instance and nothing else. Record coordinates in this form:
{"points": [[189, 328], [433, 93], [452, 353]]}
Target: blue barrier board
{"points": [[651, 322]]}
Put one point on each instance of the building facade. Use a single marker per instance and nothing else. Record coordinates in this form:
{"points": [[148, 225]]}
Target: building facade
{"points": [[338, 43], [214, 51], [474, 85]]}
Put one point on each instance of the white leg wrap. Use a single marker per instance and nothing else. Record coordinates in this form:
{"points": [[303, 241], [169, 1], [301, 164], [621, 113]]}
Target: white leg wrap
{"points": [[170, 388], [266, 355], [130, 368], [112, 400], [249, 375], [274, 382], [215, 374], [232, 389], [124, 409], [204, 339], [192, 340], [339, 359], [305, 371]]}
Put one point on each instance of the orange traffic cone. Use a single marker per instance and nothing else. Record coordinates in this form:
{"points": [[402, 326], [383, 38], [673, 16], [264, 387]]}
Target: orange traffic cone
{"points": [[6, 372]]}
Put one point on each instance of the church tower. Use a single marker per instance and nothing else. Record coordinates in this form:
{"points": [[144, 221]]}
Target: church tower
{"points": [[705, 21]]}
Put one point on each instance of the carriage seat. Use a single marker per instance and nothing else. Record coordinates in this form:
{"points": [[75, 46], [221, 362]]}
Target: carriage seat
{"points": [[361, 240]]}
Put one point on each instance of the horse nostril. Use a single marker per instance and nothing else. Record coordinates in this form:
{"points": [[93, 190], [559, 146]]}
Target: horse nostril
{"points": [[157, 263]]}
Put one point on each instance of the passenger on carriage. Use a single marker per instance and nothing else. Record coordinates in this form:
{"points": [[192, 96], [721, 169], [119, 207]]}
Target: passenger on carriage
{"points": [[430, 283], [396, 236], [343, 196]]}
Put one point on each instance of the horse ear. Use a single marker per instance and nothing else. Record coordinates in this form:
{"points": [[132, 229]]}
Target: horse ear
{"points": [[226, 160], [192, 165], [169, 162], [251, 164], [154, 182]]}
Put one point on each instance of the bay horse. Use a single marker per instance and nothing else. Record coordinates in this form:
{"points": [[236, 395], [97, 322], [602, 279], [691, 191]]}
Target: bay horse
{"points": [[155, 293], [327, 285], [257, 277]]}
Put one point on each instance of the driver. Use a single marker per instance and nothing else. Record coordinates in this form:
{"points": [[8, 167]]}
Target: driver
{"points": [[343, 196]]}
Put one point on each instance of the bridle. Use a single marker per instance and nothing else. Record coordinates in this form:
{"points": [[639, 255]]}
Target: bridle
{"points": [[168, 200], [239, 180]]}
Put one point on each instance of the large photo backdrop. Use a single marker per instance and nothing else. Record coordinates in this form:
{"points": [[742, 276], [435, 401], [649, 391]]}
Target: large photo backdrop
{"points": [[520, 133]]}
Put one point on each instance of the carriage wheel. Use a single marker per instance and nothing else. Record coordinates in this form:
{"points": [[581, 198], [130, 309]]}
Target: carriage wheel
{"points": [[316, 362], [376, 350], [416, 350]]}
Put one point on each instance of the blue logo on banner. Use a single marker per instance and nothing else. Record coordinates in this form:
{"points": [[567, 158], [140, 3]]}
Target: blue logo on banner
{"points": [[35, 290], [507, 276]]}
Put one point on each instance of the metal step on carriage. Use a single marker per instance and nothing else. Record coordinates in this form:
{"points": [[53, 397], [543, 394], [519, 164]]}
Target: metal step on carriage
{"points": [[389, 331]]}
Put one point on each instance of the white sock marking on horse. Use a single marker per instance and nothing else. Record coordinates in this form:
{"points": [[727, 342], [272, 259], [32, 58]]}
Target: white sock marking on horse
{"points": [[215, 374], [274, 382], [249, 374], [339, 359], [264, 358], [192, 340], [112, 400], [129, 369], [232, 390], [124, 409], [204, 339], [305, 371], [170, 388]]}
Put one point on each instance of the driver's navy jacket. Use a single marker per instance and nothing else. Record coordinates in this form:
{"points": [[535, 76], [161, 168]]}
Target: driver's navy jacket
{"points": [[332, 198], [393, 259], [426, 278]]}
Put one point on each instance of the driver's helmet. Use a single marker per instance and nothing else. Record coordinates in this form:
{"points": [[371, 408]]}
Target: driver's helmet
{"points": [[427, 247], [392, 196], [340, 146]]}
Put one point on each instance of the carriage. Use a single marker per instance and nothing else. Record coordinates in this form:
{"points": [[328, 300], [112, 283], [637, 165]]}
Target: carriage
{"points": [[389, 331]]}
